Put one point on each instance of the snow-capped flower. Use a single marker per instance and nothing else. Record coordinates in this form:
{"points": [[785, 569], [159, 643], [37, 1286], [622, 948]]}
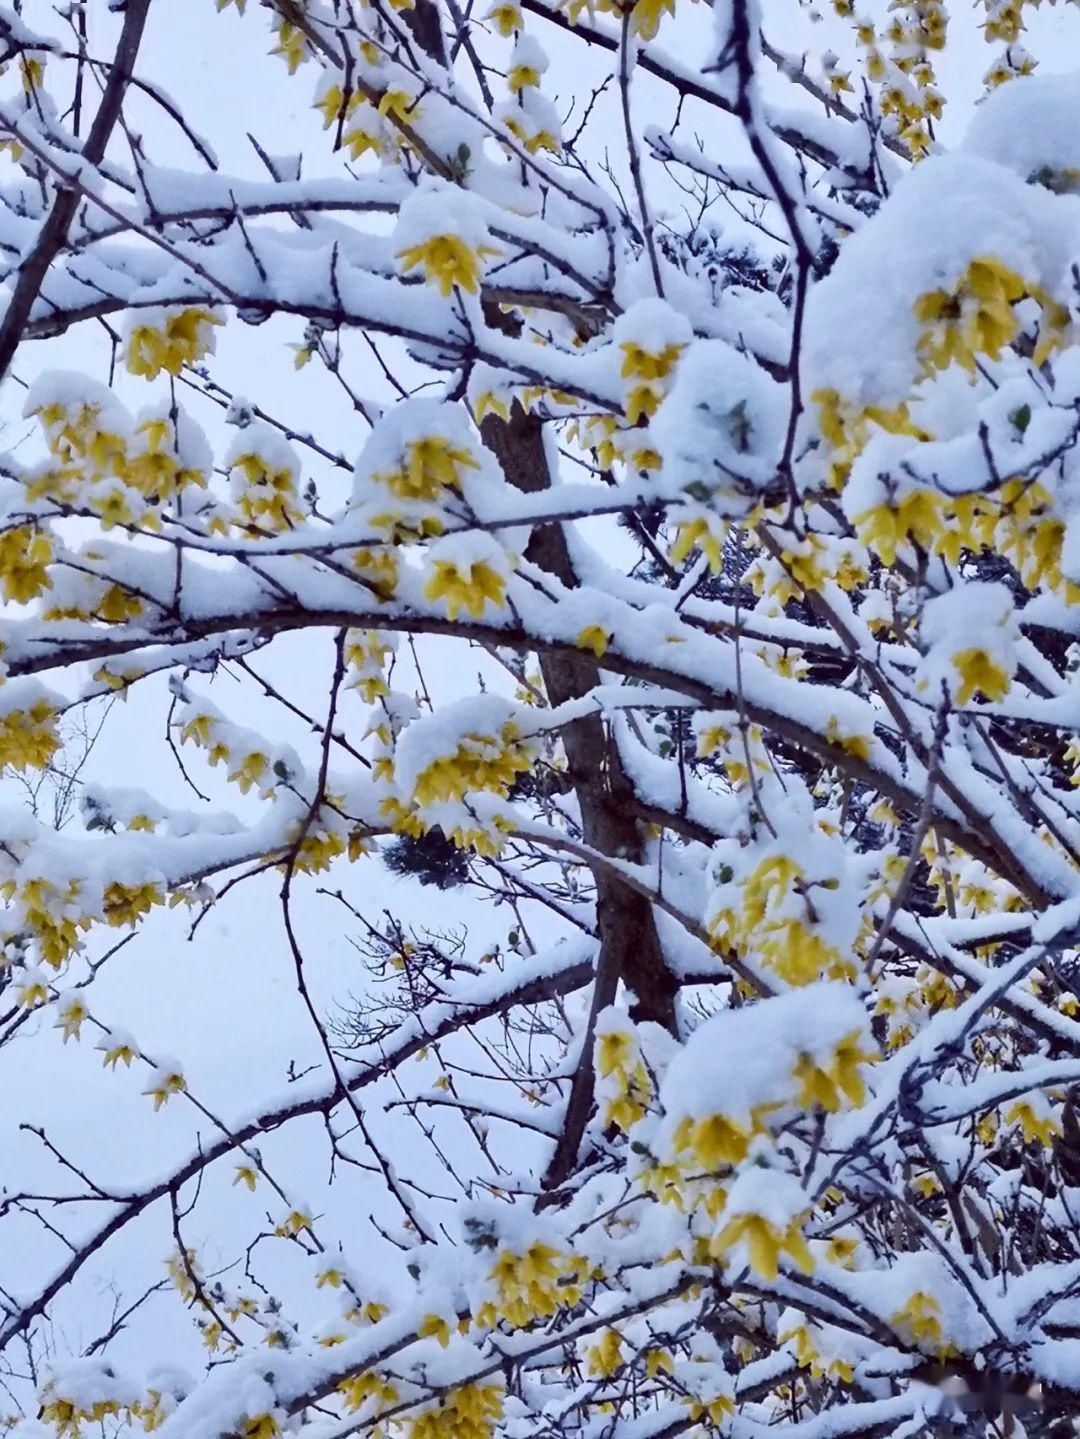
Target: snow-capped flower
{"points": [[168, 340], [763, 1220], [528, 61], [71, 1012], [166, 1079], [466, 572], [440, 233], [970, 634]]}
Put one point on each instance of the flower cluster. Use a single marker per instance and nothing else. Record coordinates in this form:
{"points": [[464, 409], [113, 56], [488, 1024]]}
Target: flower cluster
{"points": [[170, 339], [532, 1285]]}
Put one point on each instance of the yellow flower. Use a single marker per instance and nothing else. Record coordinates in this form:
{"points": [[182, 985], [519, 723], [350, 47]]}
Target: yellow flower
{"points": [[199, 730], [638, 362], [331, 105], [430, 465], [435, 1327], [180, 1268], [698, 534], [658, 1361], [595, 638], [1005, 23], [646, 458], [876, 68], [268, 495], [624, 1111], [613, 1052], [470, 1411], [56, 934], [916, 137], [713, 1141], [466, 585], [605, 1357], [796, 952], [798, 1335], [480, 762], [847, 430], [64, 1414], [978, 672], [665, 1182], [857, 745], [400, 819], [1037, 1126], [627, 1095], [488, 402], [817, 1086], [919, 1320], [113, 508], [505, 15], [32, 71], [126, 904], [249, 771], [70, 1016], [765, 1242], [263, 1426], [398, 105], [824, 1084], [848, 1056], [117, 605], [406, 531], [841, 1249], [359, 140], [185, 337], [446, 261], [359, 1388], [533, 1285], [318, 850], [33, 989], [292, 45], [245, 1174], [1053, 325], [295, 1222], [163, 1085], [28, 738], [917, 517], [116, 682], [646, 16], [642, 402], [521, 77], [25, 555], [378, 568], [714, 1410], [975, 317], [116, 1052]]}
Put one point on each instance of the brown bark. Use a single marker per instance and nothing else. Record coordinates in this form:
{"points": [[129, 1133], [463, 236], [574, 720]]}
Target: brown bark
{"points": [[53, 234], [630, 949]]}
